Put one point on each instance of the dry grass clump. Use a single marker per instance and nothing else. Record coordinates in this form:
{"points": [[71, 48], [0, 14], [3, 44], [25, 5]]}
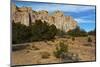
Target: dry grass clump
{"points": [[73, 38], [45, 55], [34, 47], [89, 39], [88, 44]]}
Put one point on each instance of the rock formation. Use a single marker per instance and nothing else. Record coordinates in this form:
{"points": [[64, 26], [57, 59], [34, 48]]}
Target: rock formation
{"points": [[27, 16]]}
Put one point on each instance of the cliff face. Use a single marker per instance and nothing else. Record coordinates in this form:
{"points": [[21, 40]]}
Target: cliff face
{"points": [[26, 16]]}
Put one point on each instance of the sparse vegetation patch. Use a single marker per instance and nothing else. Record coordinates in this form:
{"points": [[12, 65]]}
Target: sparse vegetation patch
{"points": [[45, 55], [62, 52], [89, 39]]}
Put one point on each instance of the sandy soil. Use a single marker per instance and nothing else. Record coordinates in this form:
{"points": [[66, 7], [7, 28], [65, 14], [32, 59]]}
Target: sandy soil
{"points": [[33, 53]]}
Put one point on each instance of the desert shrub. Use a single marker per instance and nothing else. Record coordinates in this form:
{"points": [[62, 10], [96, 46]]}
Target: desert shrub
{"points": [[77, 32], [64, 55], [89, 39], [73, 38], [45, 55], [61, 50]]}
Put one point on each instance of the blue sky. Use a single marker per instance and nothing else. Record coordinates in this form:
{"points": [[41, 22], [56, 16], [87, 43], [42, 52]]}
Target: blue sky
{"points": [[84, 15]]}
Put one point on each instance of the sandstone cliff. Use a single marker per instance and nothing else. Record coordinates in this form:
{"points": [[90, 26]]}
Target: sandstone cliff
{"points": [[27, 16]]}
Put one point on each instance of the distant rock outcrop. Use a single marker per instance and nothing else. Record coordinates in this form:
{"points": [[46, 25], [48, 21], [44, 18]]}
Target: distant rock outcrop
{"points": [[27, 16]]}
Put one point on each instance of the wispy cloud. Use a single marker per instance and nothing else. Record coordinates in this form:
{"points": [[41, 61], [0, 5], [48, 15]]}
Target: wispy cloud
{"points": [[54, 7], [65, 8], [82, 20]]}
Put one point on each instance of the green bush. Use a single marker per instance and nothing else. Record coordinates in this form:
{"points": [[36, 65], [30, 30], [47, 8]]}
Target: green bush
{"points": [[35, 32], [42, 31], [64, 55], [77, 32], [20, 33], [61, 50]]}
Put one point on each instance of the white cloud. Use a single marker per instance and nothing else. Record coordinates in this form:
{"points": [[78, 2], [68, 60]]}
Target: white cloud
{"points": [[76, 8], [54, 7], [67, 8], [81, 20]]}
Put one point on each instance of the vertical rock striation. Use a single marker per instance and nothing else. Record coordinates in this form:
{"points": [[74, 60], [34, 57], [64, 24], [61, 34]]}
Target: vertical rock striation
{"points": [[27, 16]]}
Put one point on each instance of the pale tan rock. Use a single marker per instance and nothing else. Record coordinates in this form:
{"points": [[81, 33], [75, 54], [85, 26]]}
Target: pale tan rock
{"points": [[27, 16]]}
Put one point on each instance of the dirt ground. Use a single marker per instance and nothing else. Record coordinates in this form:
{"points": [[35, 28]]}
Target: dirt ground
{"points": [[33, 54]]}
